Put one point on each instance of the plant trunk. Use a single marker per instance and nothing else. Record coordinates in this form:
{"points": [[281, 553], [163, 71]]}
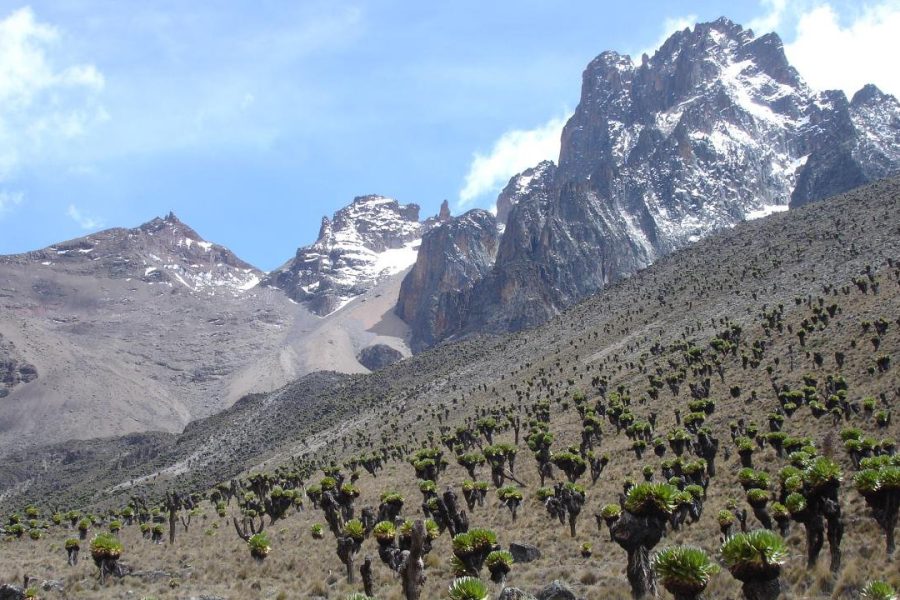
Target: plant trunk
{"points": [[412, 571], [762, 589], [172, 515], [763, 516], [365, 572], [815, 538], [637, 536], [835, 533], [640, 575]]}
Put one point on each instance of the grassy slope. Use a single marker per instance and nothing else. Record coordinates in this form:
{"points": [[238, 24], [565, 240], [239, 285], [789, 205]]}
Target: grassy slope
{"points": [[791, 259]]}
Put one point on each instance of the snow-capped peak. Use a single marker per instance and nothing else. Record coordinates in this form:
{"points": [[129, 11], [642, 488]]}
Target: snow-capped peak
{"points": [[163, 251], [370, 239]]}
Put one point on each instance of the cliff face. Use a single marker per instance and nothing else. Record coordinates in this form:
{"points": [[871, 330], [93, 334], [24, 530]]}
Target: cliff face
{"points": [[715, 128], [437, 293]]}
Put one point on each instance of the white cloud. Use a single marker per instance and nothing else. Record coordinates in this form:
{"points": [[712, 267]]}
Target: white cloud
{"points": [[515, 151], [832, 55], [776, 11], [670, 26], [41, 102], [84, 221], [8, 200]]}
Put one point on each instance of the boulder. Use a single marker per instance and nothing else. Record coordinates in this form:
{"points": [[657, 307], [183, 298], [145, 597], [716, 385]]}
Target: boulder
{"points": [[11, 592], [557, 591], [524, 553], [378, 356]]}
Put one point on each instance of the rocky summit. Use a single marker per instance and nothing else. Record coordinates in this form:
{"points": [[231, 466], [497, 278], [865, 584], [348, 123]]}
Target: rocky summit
{"points": [[713, 129], [362, 243], [163, 251]]}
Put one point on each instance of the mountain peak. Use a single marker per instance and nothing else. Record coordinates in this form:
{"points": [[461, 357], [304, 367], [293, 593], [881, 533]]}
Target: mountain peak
{"points": [[162, 251], [871, 94], [520, 186], [172, 224], [717, 127], [372, 237], [723, 25]]}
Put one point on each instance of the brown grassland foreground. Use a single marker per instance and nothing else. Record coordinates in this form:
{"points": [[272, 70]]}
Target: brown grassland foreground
{"points": [[720, 322]]}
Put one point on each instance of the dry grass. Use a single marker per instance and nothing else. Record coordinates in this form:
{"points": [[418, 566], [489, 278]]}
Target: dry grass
{"points": [[599, 337]]}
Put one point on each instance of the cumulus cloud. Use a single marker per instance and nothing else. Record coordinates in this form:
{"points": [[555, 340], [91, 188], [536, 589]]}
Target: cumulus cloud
{"points": [[8, 200], [515, 151], [41, 101], [771, 20], [84, 221], [831, 53]]}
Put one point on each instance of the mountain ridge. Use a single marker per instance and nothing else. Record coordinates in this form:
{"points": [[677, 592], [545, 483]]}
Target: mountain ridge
{"points": [[727, 278], [373, 237], [145, 328], [714, 128]]}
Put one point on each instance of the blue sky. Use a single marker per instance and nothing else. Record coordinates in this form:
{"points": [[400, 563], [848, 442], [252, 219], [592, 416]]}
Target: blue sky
{"points": [[252, 120]]}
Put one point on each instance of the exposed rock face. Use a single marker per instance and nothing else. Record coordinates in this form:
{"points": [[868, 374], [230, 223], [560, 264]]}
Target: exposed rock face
{"points": [[13, 369], [511, 593], [861, 144], [715, 128], [373, 237], [436, 293], [11, 592], [442, 217], [378, 356]]}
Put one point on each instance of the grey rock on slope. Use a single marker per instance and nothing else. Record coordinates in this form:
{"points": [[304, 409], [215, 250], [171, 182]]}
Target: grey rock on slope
{"points": [[378, 356]]}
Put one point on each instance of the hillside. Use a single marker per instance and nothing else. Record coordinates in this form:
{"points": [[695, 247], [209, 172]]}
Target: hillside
{"points": [[148, 328], [804, 302]]}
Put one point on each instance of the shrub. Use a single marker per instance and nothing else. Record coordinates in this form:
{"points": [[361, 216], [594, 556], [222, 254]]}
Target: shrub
{"points": [[879, 590], [611, 511], [822, 472], [757, 553], [355, 530], [259, 545], [384, 532], [651, 498], [468, 588], [684, 569], [392, 498], [105, 546]]}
